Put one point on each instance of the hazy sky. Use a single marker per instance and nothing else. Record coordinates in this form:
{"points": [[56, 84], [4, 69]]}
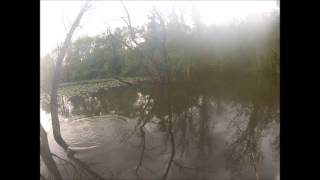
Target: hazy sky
{"points": [[54, 14]]}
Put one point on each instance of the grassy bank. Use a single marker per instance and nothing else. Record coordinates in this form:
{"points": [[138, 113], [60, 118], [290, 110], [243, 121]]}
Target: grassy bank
{"points": [[83, 88]]}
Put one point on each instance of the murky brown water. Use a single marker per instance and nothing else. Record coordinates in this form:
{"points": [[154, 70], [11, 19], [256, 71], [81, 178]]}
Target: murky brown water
{"points": [[216, 128]]}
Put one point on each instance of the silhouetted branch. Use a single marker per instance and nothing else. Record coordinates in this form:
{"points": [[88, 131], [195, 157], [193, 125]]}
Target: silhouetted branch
{"points": [[141, 119], [46, 155], [132, 35], [57, 77], [172, 148], [143, 142]]}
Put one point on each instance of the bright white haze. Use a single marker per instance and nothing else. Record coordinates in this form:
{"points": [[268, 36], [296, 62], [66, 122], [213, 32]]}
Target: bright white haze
{"points": [[57, 16]]}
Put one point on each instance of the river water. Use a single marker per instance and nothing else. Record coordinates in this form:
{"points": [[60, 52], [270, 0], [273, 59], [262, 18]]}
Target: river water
{"points": [[217, 128]]}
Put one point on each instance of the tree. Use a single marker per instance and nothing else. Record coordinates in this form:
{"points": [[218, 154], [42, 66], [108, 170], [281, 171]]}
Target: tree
{"points": [[166, 46], [46, 154], [57, 76]]}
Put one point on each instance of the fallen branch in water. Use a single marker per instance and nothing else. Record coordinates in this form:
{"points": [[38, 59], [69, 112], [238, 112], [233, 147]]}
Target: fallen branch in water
{"points": [[125, 82]]}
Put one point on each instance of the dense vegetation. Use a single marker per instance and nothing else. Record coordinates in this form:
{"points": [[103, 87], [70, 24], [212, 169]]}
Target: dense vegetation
{"points": [[167, 48], [219, 69]]}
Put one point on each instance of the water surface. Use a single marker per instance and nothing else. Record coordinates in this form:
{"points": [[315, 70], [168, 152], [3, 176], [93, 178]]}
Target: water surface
{"points": [[212, 128]]}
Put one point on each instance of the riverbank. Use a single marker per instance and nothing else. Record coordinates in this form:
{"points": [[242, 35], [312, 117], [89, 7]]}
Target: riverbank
{"points": [[82, 88]]}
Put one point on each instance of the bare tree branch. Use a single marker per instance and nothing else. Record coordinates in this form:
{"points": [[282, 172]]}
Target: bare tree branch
{"points": [[57, 76], [65, 28], [163, 44], [132, 35]]}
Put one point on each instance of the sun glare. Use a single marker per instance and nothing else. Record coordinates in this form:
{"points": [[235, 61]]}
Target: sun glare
{"points": [[219, 12], [56, 15]]}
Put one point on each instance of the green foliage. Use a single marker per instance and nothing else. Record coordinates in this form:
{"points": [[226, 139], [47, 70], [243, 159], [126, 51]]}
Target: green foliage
{"points": [[84, 88], [47, 65], [169, 47]]}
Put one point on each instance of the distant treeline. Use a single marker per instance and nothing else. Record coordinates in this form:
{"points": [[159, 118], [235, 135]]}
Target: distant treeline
{"points": [[167, 48]]}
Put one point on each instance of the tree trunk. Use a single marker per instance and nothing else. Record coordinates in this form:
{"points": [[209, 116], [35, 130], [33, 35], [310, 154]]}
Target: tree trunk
{"points": [[56, 80], [46, 155]]}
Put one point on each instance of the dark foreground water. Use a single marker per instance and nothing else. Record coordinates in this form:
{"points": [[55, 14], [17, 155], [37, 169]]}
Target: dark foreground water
{"points": [[222, 128]]}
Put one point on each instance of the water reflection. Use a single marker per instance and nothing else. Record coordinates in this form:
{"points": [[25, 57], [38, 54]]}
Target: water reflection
{"points": [[201, 130]]}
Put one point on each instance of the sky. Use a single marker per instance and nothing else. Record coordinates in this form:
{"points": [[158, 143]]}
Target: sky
{"points": [[56, 16]]}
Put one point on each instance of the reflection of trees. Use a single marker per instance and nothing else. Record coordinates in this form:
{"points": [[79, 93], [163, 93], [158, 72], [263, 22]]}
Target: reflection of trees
{"points": [[276, 144], [119, 101], [191, 125], [245, 149], [193, 137], [147, 111], [183, 113], [144, 118], [186, 123], [204, 136], [171, 135], [146, 114], [173, 151], [89, 106]]}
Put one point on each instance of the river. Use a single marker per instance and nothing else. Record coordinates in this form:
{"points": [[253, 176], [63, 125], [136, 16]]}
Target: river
{"points": [[216, 128]]}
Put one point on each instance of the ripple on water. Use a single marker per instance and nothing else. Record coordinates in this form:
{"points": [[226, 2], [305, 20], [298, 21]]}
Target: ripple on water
{"points": [[94, 131]]}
